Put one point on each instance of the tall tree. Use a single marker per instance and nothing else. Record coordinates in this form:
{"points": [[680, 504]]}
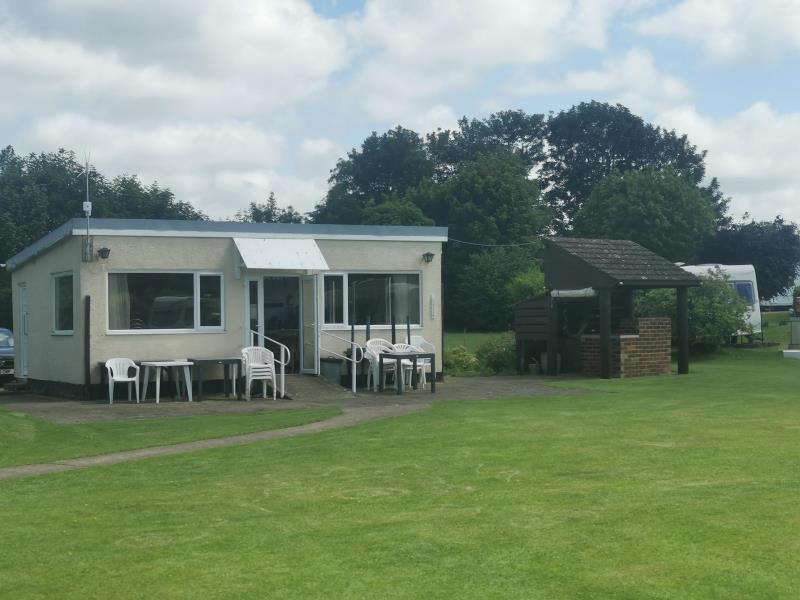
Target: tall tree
{"points": [[489, 201], [394, 212], [269, 212], [508, 130], [385, 165], [593, 139], [658, 209], [772, 247], [39, 192]]}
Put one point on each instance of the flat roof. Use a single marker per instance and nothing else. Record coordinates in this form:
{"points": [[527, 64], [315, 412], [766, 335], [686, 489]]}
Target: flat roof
{"points": [[227, 229]]}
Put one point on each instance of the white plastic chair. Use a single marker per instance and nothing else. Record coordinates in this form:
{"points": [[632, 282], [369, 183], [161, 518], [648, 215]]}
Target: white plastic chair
{"points": [[258, 364], [374, 348], [425, 346], [118, 369], [421, 363]]}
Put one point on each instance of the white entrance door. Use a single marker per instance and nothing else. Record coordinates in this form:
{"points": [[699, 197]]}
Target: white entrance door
{"points": [[308, 317], [22, 336], [272, 311]]}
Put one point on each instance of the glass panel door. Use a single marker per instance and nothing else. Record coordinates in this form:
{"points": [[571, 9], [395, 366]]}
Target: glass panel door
{"points": [[254, 323], [282, 315], [309, 295]]}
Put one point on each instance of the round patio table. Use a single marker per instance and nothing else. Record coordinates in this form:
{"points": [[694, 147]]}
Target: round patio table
{"points": [[167, 364]]}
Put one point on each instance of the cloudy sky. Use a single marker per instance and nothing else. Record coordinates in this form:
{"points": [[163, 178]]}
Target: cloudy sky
{"points": [[224, 101]]}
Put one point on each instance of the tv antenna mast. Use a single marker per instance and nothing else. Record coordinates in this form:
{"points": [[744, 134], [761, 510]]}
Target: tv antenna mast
{"points": [[87, 210]]}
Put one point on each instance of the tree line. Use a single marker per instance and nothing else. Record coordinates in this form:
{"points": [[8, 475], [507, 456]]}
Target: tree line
{"points": [[498, 183]]}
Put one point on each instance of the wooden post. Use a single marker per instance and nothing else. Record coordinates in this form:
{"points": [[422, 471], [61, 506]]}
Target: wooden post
{"points": [[605, 333], [87, 354], [683, 331], [408, 329], [630, 303], [394, 333], [552, 339]]}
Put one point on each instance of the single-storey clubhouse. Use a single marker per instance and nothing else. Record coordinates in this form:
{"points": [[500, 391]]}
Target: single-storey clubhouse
{"points": [[159, 289]]}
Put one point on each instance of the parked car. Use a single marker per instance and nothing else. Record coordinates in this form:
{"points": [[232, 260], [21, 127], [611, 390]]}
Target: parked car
{"points": [[6, 355]]}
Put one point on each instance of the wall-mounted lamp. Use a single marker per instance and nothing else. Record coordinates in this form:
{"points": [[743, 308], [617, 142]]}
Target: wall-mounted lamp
{"points": [[428, 257], [104, 253]]}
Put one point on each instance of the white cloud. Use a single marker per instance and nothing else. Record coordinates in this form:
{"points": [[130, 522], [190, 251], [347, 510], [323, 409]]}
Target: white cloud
{"points": [[753, 153], [416, 53], [633, 80], [731, 30], [200, 57], [199, 162]]}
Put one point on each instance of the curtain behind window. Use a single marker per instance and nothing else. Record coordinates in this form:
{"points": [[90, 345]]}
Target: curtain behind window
{"points": [[119, 302]]}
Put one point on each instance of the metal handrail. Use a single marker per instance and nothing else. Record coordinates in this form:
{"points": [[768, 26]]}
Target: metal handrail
{"points": [[354, 347], [285, 352]]}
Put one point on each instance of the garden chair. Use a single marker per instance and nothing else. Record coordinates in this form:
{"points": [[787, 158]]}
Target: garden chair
{"points": [[118, 371], [258, 364], [425, 346], [374, 348], [422, 363]]}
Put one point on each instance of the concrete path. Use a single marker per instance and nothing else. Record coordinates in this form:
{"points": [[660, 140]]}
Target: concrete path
{"points": [[349, 417]]}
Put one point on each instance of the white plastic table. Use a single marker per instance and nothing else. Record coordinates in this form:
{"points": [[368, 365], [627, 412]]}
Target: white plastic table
{"points": [[173, 364]]}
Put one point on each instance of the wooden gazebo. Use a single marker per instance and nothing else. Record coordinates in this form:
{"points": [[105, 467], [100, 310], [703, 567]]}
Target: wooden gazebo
{"points": [[618, 266]]}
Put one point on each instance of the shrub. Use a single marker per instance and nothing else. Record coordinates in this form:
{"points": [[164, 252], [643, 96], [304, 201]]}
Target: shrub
{"points": [[716, 312], [498, 355], [460, 360], [526, 284]]}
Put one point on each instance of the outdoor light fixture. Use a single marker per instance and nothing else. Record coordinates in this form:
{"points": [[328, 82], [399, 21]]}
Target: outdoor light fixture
{"points": [[428, 257], [104, 253]]}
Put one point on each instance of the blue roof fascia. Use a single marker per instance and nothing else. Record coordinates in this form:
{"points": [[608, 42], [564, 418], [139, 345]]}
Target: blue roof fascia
{"points": [[233, 227]]}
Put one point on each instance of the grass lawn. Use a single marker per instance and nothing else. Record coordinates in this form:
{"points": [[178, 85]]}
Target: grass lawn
{"points": [[27, 440], [472, 341], [670, 487]]}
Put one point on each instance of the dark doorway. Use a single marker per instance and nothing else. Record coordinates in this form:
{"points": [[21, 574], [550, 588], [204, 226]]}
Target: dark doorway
{"points": [[282, 314]]}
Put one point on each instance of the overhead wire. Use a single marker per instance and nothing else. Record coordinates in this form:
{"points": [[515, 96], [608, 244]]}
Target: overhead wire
{"points": [[492, 245]]}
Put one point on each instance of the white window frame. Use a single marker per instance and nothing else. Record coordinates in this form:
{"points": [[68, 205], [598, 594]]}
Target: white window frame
{"points": [[346, 300], [54, 297], [198, 325], [196, 299], [325, 323]]}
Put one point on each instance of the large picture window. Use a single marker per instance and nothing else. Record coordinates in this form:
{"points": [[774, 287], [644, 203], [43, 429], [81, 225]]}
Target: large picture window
{"points": [[164, 301], [383, 298], [63, 309]]}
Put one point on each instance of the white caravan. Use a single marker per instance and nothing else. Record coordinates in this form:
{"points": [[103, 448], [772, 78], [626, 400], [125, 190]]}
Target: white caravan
{"points": [[742, 278]]}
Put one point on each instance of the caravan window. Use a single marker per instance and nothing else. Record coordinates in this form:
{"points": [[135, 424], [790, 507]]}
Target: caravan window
{"points": [[164, 301], [745, 290]]}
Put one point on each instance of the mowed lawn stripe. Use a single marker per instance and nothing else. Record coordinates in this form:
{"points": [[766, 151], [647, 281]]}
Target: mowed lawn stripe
{"points": [[672, 487]]}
